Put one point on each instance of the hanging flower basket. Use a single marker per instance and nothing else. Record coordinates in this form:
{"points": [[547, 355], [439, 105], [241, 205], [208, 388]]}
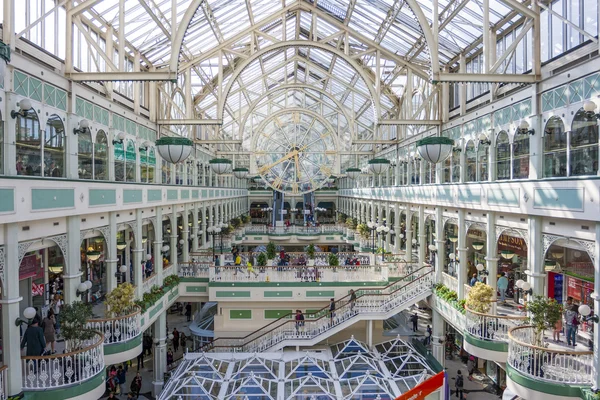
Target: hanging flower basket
{"points": [[435, 149], [220, 165], [353, 173], [240, 173], [174, 149], [379, 165]]}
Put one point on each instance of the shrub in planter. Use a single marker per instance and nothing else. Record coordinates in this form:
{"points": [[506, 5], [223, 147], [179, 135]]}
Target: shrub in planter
{"points": [[351, 223], [120, 300], [73, 321], [479, 298], [363, 230], [310, 251], [544, 314], [334, 261], [171, 281], [261, 260], [236, 222], [271, 250]]}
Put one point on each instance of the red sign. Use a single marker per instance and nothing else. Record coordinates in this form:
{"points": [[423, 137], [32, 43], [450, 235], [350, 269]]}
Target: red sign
{"points": [[574, 288], [37, 290], [31, 267], [421, 391]]}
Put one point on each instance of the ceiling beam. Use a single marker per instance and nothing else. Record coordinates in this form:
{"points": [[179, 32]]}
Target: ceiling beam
{"points": [[121, 76], [426, 122], [190, 121]]}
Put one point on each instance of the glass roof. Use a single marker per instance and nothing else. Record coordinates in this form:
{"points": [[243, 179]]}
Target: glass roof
{"points": [[353, 372]]}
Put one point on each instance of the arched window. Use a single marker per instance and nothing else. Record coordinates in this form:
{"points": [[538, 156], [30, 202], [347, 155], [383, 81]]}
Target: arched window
{"points": [[130, 160], [166, 172], [85, 156], [482, 162], [447, 177], [144, 164], [119, 152], [179, 174], [455, 166], [101, 156], [415, 171], [584, 144], [190, 172], [54, 147], [502, 156], [151, 164], [471, 162], [199, 168], [520, 156], [29, 144], [555, 148]]}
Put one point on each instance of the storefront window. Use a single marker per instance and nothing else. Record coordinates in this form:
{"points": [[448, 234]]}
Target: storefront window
{"points": [[28, 144], [502, 156], [151, 164], [101, 156], [555, 148], [471, 162], [85, 155], [190, 172], [521, 156], [447, 177], [166, 172], [584, 144]]}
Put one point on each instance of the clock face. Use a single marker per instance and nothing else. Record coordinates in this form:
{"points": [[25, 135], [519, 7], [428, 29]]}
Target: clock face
{"points": [[295, 152]]}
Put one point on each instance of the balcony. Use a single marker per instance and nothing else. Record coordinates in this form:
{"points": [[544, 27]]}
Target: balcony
{"points": [[545, 373], [122, 335], [487, 334], [301, 274], [76, 374]]}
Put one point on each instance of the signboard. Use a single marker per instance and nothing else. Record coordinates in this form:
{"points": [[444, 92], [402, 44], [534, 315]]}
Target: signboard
{"points": [[421, 391], [516, 244], [31, 267], [37, 290], [574, 288]]}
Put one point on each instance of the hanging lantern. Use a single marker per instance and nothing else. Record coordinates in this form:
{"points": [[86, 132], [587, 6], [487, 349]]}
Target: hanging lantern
{"points": [[220, 165], [435, 149], [507, 254], [174, 149], [378, 165], [121, 245], [478, 245], [240, 173], [353, 173], [93, 255]]}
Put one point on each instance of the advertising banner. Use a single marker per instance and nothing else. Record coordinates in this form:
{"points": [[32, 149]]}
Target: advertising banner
{"points": [[421, 391]]}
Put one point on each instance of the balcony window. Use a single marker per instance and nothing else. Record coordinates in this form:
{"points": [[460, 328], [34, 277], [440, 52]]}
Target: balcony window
{"points": [[502, 156], [583, 145], [555, 148]]}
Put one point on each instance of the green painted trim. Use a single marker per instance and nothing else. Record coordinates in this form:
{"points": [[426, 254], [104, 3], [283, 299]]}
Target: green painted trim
{"points": [[156, 309], [220, 161], [172, 194], [296, 284], [102, 197], [132, 196], [435, 140], [154, 195], [538, 385], [193, 280], [7, 200], [185, 194], [273, 293], [236, 294], [240, 314], [173, 294], [486, 344], [276, 314], [378, 161], [320, 293], [195, 194], [47, 199], [67, 392], [123, 346], [171, 140], [195, 289]]}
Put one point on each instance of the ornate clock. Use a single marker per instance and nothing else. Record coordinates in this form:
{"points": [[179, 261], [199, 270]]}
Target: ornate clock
{"points": [[295, 151]]}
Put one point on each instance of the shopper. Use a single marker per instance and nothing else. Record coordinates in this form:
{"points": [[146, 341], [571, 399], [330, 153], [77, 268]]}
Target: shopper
{"points": [[121, 379], [169, 358], [56, 305], [34, 339], [331, 310], [471, 367], [473, 280], [428, 335], [572, 322], [415, 322], [459, 384], [175, 339], [136, 385], [299, 321], [49, 327], [188, 311], [502, 285], [352, 299]]}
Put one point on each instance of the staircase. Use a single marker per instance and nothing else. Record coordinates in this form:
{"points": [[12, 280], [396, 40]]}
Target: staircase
{"points": [[370, 304]]}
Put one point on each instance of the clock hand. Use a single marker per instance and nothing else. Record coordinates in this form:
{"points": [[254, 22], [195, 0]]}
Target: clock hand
{"points": [[265, 168], [297, 166]]}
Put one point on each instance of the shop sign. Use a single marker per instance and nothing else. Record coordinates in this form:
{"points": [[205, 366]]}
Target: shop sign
{"points": [[579, 290], [516, 244], [37, 290], [31, 267]]}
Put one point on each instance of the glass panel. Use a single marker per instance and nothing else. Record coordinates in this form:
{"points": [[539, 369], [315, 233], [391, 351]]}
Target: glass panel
{"points": [[521, 156], [119, 151], [29, 149], [130, 161], [455, 166], [471, 162], [85, 156], [584, 144], [166, 172], [101, 156], [555, 148], [502, 156], [482, 162]]}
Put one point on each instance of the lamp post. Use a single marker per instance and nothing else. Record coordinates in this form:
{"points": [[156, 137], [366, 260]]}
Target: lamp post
{"points": [[373, 228], [213, 231], [382, 231]]}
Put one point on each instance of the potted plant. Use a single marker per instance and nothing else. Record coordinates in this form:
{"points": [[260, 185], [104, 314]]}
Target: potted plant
{"points": [[333, 259], [271, 251], [73, 325], [351, 223], [120, 300], [544, 313], [310, 252], [236, 222], [363, 230], [480, 297], [261, 260]]}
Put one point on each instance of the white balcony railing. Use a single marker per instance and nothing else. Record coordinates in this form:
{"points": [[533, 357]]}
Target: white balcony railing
{"points": [[118, 329], [450, 282], [351, 273], [195, 269], [557, 366], [62, 370], [149, 282], [491, 327]]}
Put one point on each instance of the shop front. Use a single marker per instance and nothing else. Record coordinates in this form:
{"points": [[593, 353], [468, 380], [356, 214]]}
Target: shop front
{"points": [[512, 251]]}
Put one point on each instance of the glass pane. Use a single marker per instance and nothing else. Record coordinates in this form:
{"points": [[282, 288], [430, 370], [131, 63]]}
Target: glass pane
{"points": [[502, 156], [29, 152], [101, 156], [555, 148], [85, 156], [471, 162]]}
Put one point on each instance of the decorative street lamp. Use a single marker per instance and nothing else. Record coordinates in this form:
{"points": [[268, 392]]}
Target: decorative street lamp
{"points": [[214, 231], [435, 149], [382, 231]]}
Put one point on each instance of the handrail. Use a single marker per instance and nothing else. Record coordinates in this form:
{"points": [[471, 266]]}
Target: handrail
{"points": [[569, 352], [61, 370], [518, 317], [324, 311], [120, 328], [138, 310]]}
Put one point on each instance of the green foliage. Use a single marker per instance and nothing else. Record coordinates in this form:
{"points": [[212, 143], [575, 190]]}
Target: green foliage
{"points": [[341, 218], [310, 251], [271, 250], [544, 314], [479, 298], [156, 292], [363, 230], [120, 300], [449, 296], [334, 261], [73, 320], [227, 230], [246, 219], [261, 260], [351, 223], [236, 222], [171, 281]]}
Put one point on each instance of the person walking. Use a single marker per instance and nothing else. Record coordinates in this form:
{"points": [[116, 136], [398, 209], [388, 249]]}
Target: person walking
{"points": [[33, 338], [299, 321], [331, 310], [459, 384], [169, 358], [502, 285], [56, 305], [473, 280], [428, 336], [175, 339], [471, 367], [415, 322], [49, 327], [572, 322], [188, 311], [352, 299], [183, 341], [121, 379], [136, 385]]}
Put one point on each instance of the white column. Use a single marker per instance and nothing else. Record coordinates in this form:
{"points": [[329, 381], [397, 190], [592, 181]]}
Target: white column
{"points": [[111, 253], [195, 230], [408, 236], [422, 237], [185, 255], [462, 254], [159, 353], [10, 310], [535, 256], [158, 243], [438, 331], [139, 255], [440, 256], [491, 256], [72, 272]]}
